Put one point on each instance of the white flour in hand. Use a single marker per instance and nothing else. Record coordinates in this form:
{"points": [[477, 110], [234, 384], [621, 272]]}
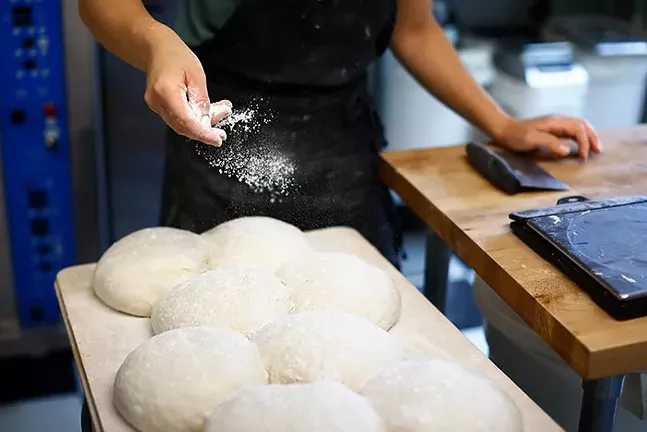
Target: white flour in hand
{"points": [[196, 110], [201, 111], [245, 157]]}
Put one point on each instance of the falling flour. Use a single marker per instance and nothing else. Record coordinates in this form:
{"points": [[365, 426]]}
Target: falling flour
{"points": [[245, 117], [243, 156]]}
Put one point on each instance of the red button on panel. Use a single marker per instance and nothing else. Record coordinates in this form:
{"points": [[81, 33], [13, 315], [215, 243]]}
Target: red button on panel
{"points": [[49, 110]]}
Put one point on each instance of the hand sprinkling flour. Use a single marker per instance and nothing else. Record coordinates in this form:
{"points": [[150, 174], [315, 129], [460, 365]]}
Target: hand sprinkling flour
{"points": [[176, 89], [206, 114]]}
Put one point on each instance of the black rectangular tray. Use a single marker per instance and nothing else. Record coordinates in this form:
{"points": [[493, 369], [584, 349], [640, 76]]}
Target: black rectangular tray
{"points": [[618, 308]]}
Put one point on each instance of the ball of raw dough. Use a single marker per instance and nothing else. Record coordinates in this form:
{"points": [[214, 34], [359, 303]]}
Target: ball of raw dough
{"points": [[237, 298], [325, 345], [436, 395], [172, 381], [255, 241], [136, 270], [320, 407], [342, 282]]}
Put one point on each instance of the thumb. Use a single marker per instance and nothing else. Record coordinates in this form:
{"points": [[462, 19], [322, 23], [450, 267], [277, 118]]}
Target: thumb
{"points": [[196, 91], [199, 103], [554, 144]]}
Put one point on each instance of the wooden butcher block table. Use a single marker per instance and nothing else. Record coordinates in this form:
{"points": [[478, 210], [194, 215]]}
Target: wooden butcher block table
{"points": [[472, 217], [101, 338]]}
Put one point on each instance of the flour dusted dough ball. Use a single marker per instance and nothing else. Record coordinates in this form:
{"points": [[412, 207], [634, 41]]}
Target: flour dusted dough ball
{"points": [[172, 382], [255, 241], [237, 298], [440, 396], [318, 407], [325, 345], [342, 282], [136, 270]]}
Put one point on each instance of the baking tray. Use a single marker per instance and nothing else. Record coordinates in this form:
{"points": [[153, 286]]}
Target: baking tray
{"points": [[101, 338]]}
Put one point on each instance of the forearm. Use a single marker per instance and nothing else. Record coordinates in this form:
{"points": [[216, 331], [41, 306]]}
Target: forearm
{"points": [[429, 56], [124, 28]]}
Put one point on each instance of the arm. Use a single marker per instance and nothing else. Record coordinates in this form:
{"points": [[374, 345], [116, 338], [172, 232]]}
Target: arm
{"points": [[420, 45], [124, 28], [176, 86]]}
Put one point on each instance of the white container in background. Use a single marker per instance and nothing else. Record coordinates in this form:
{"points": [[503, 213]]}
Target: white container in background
{"points": [[615, 56], [413, 118], [539, 79]]}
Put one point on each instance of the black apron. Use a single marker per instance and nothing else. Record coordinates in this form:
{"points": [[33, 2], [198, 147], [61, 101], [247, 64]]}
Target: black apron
{"points": [[301, 64]]}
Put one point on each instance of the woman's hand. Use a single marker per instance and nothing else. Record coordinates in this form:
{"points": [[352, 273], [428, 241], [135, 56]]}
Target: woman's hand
{"points": [[176, 90], [546, 133]]}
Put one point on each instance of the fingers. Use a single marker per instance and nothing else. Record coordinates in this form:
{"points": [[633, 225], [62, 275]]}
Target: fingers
{"points": [[191, 118], [554, 145], [197, 94], [583, 141], [155, 100], [596, 147], [221, 133], [219, 111], [197, 97], [224, 102], [576, 129], [186, 110]]}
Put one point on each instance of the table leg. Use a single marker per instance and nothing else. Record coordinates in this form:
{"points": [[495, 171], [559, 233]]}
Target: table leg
{"points": [[437, 256], [600, 403]]}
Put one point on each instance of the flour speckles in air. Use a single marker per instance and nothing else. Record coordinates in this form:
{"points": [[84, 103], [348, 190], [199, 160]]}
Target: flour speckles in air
{"points": [[245, 117], [249, 156]]}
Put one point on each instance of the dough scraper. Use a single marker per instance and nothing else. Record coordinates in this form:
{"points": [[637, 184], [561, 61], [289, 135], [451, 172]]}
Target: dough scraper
{"points": [[512, 173]]}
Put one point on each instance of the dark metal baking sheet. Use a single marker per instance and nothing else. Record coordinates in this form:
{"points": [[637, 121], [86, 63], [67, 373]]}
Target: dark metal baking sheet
{"points": [[608, 243]]}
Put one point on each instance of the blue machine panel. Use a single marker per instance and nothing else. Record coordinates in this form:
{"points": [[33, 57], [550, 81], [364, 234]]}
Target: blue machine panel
{"points": [[35, 154]]}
